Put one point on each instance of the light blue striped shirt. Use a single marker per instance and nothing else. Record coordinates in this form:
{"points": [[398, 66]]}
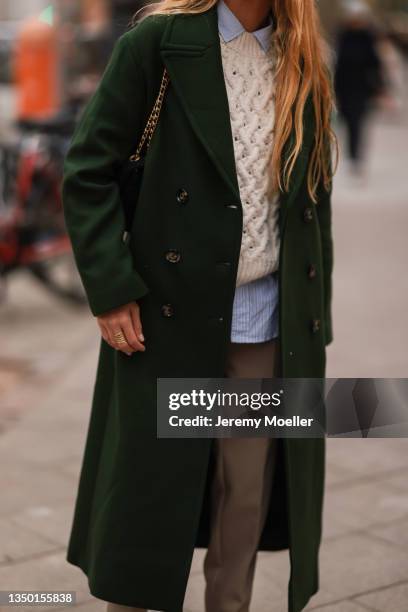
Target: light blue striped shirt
{"points": [[255, 310]]}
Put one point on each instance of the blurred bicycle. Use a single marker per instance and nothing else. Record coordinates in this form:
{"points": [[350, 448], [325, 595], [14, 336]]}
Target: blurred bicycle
{"points": [[32, 229]]}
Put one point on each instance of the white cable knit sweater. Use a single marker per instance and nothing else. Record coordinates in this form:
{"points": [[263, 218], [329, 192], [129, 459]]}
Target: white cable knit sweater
{"points": [[249, 73]]}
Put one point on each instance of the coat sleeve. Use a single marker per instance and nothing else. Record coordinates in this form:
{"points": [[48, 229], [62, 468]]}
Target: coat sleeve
{"points": [[106, 135], [324, 214]]}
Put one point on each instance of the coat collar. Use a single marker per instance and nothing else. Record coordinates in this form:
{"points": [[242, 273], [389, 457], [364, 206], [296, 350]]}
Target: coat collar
{"points": [[191, 51]]}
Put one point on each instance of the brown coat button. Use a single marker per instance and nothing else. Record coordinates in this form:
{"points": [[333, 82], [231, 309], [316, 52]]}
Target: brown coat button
{"points": [[312, 272], [167, 310], [173, 256], [182, 196], [307, 214], [315, 325]]}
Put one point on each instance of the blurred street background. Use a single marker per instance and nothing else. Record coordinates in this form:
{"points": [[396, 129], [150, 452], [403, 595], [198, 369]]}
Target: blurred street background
{"points": [[51, 56]]}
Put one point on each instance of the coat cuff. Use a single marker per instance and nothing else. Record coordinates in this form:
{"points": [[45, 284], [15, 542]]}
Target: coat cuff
{"points": [[116, 296]]}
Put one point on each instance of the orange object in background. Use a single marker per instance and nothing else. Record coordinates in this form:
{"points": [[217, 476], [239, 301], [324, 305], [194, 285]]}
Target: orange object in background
{"points": [[36, 71]]}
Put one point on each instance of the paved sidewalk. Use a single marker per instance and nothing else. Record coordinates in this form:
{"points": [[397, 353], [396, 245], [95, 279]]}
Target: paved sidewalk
{"points": [[47, 366]]}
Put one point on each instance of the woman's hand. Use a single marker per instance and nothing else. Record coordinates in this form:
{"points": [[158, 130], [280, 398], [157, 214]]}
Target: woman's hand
{"points": [[122, 328]]}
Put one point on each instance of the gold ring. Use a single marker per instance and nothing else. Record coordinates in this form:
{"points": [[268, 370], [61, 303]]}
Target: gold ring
{"points": [[119, 338]]}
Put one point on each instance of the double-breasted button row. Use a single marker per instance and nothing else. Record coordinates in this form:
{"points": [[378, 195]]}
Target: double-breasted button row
{"points": [[173, 256], [308, 214], [182, 196]]}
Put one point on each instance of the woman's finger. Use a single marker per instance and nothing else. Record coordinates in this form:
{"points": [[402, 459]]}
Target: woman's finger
{"points": [[105, 334], [131, 337], [137, 324], [117, 328]]}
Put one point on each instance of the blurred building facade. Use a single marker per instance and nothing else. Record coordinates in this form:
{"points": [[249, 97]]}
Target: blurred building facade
{"points": [[89, 28], [19, 9]]}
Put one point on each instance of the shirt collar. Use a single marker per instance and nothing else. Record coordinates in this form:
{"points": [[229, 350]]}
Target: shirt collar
{"points": [[230, 27]]}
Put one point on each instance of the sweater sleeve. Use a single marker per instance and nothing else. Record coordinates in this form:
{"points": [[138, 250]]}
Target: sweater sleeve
{"points": [[106, 135]]}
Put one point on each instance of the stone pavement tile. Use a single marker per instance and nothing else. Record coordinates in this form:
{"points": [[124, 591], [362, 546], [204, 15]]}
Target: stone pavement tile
{"points": [[392, 599], [395, 533], [198, 560], [50, 572], [385, 147], [15, 462], [399, 481], [368, 457], [270, 584], [41, 448], [68, 402], [195, 593], [55, 415], [19, 543], [56, 377], [52, 522], [71, 467], [354, 564], [267, 595], [32, 487], [195, 587], [275, 567], [39, 368], [30, 314], [360, 505], [337, 474], [338, 606], [361, 346], [93, 605]]}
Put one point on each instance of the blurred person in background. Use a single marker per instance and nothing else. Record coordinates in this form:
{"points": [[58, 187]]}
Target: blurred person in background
{"points": [[232, 226], [358, 77], [392, 99]]}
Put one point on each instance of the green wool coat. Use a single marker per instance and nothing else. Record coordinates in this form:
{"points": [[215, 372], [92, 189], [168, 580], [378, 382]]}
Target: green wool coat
{"points": [[142, 504]]}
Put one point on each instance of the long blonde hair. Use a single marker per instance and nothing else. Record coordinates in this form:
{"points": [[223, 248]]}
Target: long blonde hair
{"points": [[301, 71]]}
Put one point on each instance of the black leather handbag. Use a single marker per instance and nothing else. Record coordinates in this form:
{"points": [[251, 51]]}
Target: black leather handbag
{"points": [[131, 173]]}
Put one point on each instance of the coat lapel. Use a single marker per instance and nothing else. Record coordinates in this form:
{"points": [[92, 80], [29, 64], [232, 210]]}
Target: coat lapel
{"points": [[190, 50]]}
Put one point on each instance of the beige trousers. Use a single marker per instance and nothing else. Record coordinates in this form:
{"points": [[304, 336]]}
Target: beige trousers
{"points": [[240, 497]]}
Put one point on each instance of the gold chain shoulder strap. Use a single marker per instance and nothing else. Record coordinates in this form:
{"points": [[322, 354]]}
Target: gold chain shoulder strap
{"points": [[153, 118]]}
